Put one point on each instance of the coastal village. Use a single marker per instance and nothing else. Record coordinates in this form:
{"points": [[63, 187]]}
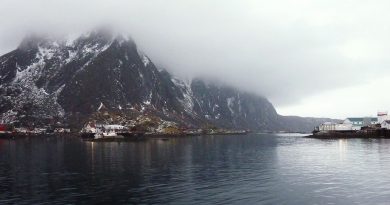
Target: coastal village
{"points": [[96, 131], [105, 124], [378, 126]]}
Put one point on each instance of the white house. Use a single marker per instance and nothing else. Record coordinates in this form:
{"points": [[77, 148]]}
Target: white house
{"points": [[331, 126], [359, 122], [386, 124], [114, 127], [90, 128], [382, 116]]}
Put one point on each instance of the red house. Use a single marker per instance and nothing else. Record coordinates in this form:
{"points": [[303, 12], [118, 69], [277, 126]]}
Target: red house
{"points": [[3, 127]]}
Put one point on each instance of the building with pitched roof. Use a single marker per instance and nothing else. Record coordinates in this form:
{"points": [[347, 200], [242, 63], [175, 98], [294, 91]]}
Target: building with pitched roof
{"points": [[359, 122]]}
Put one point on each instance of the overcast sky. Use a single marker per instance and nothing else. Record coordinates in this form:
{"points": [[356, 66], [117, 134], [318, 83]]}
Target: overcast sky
{"points": [[309, 58]]}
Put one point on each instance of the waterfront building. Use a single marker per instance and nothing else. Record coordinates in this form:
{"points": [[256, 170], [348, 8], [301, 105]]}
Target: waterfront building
{"points": [[114, 127], [349, 124], [382, 116], [3, 128], [331, 126], [64, 130], [359, 122], [385, 124]]}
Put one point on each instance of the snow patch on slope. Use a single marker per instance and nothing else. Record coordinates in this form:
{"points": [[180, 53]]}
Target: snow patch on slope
{"points": [[188, 95], [145, 60], [230, 104]]}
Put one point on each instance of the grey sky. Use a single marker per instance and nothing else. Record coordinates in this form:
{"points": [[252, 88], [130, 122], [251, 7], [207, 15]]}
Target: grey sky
{"points": [[311, 58]]}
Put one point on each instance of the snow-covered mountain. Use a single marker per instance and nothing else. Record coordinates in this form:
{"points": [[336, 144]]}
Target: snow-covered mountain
{"points": [[46, 80]]}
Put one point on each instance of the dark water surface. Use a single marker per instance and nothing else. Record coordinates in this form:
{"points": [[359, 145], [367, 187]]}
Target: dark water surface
{"points": [[252, 169]]}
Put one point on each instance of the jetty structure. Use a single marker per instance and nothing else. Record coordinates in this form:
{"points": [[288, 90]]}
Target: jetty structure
{"points": [[355, 127]]}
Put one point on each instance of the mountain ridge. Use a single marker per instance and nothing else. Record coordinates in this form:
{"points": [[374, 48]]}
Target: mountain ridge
{"points": [[46, 80]]}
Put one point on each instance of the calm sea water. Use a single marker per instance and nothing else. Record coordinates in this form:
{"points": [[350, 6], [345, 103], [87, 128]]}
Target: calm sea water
{"points": [[252, 169]]}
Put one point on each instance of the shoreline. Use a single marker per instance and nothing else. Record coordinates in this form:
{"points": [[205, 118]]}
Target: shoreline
{"points": [[372, 134], [163, 137], [12, 136]]}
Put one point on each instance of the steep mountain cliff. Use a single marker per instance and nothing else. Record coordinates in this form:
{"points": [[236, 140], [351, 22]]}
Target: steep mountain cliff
{"points": [[46, 80]]}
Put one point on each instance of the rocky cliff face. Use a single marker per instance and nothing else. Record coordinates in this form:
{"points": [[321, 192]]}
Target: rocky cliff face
{"points": [[46, 80], [226, 106]]}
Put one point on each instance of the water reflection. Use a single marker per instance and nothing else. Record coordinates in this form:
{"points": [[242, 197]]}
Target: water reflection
{"points": [[342, 148], [253, 169]]}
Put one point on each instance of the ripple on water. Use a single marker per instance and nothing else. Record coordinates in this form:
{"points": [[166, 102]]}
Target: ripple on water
{"points": [[252, 169]]}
